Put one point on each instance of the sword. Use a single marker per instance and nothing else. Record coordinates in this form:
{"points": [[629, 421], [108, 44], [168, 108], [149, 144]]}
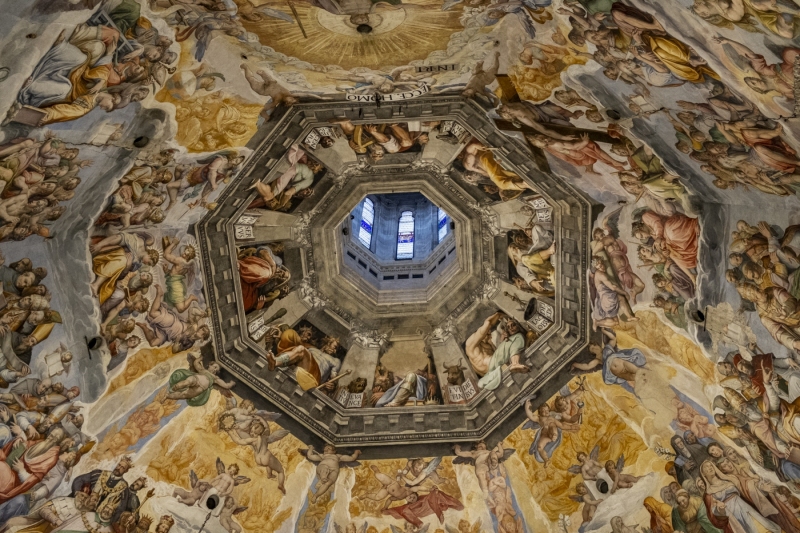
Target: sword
{"points": [[297, 18]]}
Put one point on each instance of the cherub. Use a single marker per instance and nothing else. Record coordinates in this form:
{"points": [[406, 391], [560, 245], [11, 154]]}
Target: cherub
{"points": [[328, 465], [464, 527], [549, 428], [408, 527], [621, 481], [199, 488], [227, 479], [226, 515], [241, 417], [589, 504], [481, 458], [195, 384], [589, 467], [351, 528], [259, 440], [568, 405], [417, 470]]}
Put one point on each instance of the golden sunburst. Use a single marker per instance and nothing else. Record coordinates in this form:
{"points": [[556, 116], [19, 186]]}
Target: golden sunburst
{"points": [[402, 33]]}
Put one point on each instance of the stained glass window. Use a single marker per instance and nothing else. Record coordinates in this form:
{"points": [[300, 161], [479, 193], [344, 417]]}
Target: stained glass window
{"points": [[443, 224], [405, 236], [367, 218]]}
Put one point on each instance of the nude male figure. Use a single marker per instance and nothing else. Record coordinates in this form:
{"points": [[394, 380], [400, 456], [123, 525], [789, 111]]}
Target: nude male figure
{"points": [[589, 466], [392, 489], [259, 440], [549, 428], [328, 465], [263, 83], [481, 456], [479, 346]]}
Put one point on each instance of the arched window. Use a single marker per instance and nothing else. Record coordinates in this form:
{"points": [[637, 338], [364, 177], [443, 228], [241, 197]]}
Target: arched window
{"points": [[405, 236], [442, 225], [367, 218]]}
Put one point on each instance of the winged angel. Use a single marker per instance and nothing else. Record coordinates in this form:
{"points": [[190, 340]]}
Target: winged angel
{"points": [[223, 484], [492, 476], [190, 497], [549, 423], [328, 465], [351, 528], [227, 478], [591, 470], [465, 527], [247, 426], [229, 509], [483, 460], [408, 484]]}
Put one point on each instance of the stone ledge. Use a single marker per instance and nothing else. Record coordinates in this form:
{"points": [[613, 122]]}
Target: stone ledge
{"points": [[428, 428]]}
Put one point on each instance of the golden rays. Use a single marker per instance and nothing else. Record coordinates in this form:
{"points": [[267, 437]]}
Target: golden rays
{"points": [[401, 34]]}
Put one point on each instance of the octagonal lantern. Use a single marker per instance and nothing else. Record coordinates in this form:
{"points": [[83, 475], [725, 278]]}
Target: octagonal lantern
{"points": [[305, 322]]}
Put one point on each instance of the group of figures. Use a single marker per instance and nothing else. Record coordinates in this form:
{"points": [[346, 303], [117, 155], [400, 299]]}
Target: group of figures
{"points": [[763, 261], [36, 176], [378, 140], [100, 500], [683, 418], [151, 188], [129, 284], [108, 63], [728, 135], [40, 423], [667, 245]]}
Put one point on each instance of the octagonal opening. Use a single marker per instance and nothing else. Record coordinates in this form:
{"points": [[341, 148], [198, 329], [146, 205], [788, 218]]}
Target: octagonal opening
{"points": [[403, 341], [399, 241]]}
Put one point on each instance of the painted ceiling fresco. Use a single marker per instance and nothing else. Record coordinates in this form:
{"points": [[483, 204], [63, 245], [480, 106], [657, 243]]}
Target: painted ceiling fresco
{"points": [[191, 338]]}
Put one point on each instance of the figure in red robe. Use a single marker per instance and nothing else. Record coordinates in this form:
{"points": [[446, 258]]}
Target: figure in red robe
{"points": [[23, 464], [259, 274], [435, 502]]}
